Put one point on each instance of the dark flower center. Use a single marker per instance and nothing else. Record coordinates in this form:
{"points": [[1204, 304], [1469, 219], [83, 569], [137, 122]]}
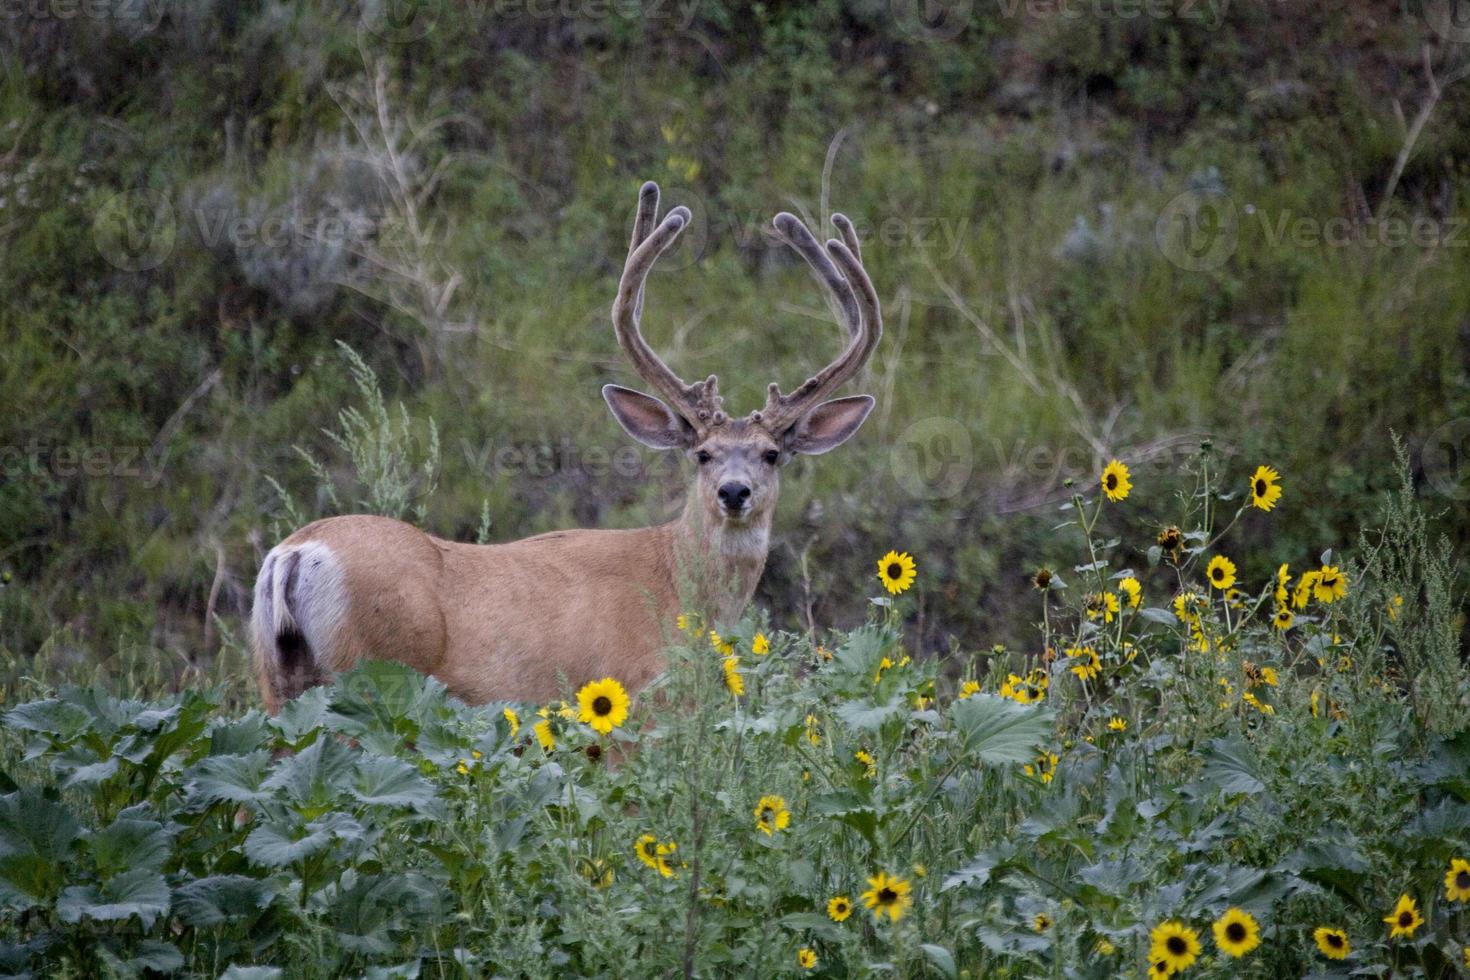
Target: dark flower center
{"points": [[1217, 574], [1111, 481], [840, 907], [1462, 880], [602, 705], [887, 896], [1405, 919], [895, 570], [1177, 945], [1235, 932], [1334, 940], [1261, 488], [650, 848]]}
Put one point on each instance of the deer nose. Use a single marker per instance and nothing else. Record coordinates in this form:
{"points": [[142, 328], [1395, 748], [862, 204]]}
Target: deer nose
{"points": [[734, 495]]}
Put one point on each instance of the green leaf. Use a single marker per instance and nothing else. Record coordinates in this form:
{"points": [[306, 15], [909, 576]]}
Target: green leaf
{"points": [[229, 779], [384, 781], [1156, 615], [129, 843], [142, 893], [152, 954], [865, 716], [941, 959], [998, 730], [251, 973], [317, 776], [36, 836], [275, 846], [50, 717], [975, 874], [219, 898], [1230, 767]]}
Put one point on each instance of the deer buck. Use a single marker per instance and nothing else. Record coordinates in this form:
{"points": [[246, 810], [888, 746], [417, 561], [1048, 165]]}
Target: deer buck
{"points": [[509, 621]]}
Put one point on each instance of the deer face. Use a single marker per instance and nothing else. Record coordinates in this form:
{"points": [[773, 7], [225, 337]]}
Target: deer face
{"points": [[738, 458]]}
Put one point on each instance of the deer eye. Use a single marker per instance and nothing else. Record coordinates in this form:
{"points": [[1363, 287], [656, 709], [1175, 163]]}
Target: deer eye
{"points": [[772, 456], [702, 457]]}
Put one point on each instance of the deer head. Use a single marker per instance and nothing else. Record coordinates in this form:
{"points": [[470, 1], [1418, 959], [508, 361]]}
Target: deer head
{"points": [[739, 459]]}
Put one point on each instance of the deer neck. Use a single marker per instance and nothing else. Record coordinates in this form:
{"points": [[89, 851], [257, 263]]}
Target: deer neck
{"points": [[718, 565]]}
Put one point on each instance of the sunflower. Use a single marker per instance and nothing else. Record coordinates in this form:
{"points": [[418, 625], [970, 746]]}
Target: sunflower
{"points": [[870, 764], [1041, 922], [1404, 919], [1187, 606], [1042, 579], [971, 688], [544, 735], [1118, 724], [1170, 538], [1133, 590], [1158, 969], [897, 571], [1283, 619], [597, 872], [1115, 485], [839, 908], [1104, 604], [1236, 932], [1331, 584], [1045, 768], [1283, 577], [1105, 946], [1028, 691], [733, 680], [813, 730], [760, 646], [721, 645], [655, 853], [603, 705], [1174, 944], [887, 894], [514, 720], [1332, 943], [1221, 572], [806, 958], [1265, 488], [771, 815], [1090, 665], [1303, 591], [1457, 881]]}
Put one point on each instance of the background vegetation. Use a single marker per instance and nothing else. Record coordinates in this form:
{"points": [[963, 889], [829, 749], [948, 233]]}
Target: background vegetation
{"points": [[199, 200]]}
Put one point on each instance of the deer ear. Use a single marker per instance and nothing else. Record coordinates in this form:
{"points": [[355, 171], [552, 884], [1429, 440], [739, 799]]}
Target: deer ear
{"points": [[828, 425], [647, 419]]}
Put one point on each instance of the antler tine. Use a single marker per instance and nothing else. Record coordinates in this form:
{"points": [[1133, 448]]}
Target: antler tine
{"points": [[837, 289], [698, 403], [839, 263]]}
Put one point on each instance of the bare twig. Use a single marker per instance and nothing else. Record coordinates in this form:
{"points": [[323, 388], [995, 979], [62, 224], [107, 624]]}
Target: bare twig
{"points": [[1421, 119]]}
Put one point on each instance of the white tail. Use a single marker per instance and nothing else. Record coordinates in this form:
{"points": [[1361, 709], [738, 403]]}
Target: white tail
{"points": [[510, 621]]}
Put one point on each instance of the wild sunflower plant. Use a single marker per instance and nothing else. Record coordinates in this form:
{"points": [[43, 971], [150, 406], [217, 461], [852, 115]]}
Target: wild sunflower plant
{"points": [[1170, 783]]}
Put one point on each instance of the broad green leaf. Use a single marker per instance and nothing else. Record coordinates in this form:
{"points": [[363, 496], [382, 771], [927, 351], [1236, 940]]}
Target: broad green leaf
{"points": [[275, 846], [229, 779], [315, 777], [940, 958], [384, 781], [218, 898], [1230, 767], [50, 717], [36, 836], [998, 730], [251, 973], [864, 716], [140, 893], [129, 843]]}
